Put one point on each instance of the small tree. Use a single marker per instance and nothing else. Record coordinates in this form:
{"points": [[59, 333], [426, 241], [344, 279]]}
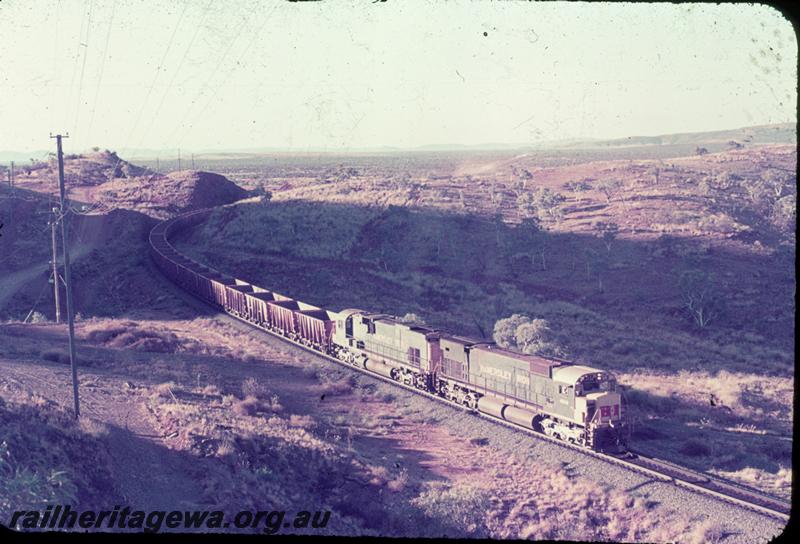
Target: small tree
{"points": [[529, 236], [700, 296], [263, 193], [722, 181], [776, 182], [756, 190], [609, 188], [608, 233], [526, 204], [520, 186], [499, 227], [541, 243], [505, 330], [548, 204], [705, 188], [535, 337], [784, 213], [532, 336]]}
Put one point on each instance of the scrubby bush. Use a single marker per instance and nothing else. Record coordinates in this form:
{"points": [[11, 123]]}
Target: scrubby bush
{"points": [[253, 388], [577, 186], [247, 407], [37, 317], [458, 511], [164, 390]]}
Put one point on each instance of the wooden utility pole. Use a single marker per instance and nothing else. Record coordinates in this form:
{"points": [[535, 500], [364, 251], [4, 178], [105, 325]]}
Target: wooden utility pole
{"points": [[179, 159], [70, 318], [56, 279]]}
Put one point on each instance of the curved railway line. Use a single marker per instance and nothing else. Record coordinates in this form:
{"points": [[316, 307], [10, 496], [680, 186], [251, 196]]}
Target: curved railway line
{"points": [[657, 469]]}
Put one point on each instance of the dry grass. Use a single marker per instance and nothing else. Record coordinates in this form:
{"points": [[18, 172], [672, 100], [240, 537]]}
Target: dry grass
{"points": [[302, 422], [398, 483], [46, 458], [248, 406], [165, 390]]}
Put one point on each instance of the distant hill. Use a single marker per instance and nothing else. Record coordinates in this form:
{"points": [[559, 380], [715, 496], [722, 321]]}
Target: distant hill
{"points": [[780, 133], [783, 133]]}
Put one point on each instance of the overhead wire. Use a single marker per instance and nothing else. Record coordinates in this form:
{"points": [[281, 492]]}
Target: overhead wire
{"points": [[152, 84], [206, 83], [74, 71], [85, 44], [102, 70], [177, 70], [158, 70], [234, 66]]}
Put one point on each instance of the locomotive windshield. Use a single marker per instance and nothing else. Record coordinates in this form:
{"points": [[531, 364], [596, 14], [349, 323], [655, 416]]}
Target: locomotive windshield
{"points": [[592, 383]]}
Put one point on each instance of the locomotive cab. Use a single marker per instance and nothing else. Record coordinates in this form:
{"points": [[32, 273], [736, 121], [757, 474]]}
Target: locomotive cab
{"points": [[598, 405]]}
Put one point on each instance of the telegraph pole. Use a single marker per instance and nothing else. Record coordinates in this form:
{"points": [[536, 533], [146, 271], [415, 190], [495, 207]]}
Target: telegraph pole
{"points": [[70, 319], [179, 159], [56, 281], [11, 186]]}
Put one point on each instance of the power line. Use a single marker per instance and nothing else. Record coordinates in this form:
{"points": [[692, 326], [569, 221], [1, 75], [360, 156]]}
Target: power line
{"points": [[152, 84], [74, 67], [159, 68], [234, 65], [102, 69], [39, 298], [206, 83], [154, 116], [83, 66]]}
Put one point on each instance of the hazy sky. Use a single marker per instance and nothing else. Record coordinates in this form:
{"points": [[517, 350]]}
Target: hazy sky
{"points": [[201, 74]]}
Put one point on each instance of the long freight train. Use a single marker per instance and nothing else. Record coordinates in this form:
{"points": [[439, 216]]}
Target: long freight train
{"points": [[575, 403]]}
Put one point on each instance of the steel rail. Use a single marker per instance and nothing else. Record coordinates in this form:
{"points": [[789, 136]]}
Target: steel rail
{"points": [[657, 469]]}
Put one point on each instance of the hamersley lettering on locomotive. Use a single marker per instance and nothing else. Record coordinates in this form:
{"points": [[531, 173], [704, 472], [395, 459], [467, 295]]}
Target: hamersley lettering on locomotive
{"points": [[575, 403]]}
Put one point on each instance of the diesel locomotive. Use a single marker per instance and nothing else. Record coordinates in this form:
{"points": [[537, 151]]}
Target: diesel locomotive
{"points": [[571, 402]]}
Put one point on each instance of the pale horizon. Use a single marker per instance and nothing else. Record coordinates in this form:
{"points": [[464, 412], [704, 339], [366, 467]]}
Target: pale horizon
{"points": [[248, 75]]}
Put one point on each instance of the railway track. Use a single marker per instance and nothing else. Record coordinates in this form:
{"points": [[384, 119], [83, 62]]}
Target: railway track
{"points": [[658, 469]]}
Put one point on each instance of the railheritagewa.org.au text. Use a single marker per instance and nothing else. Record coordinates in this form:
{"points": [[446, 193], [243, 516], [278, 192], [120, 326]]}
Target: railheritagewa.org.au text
{"points": [[125, 518]]}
